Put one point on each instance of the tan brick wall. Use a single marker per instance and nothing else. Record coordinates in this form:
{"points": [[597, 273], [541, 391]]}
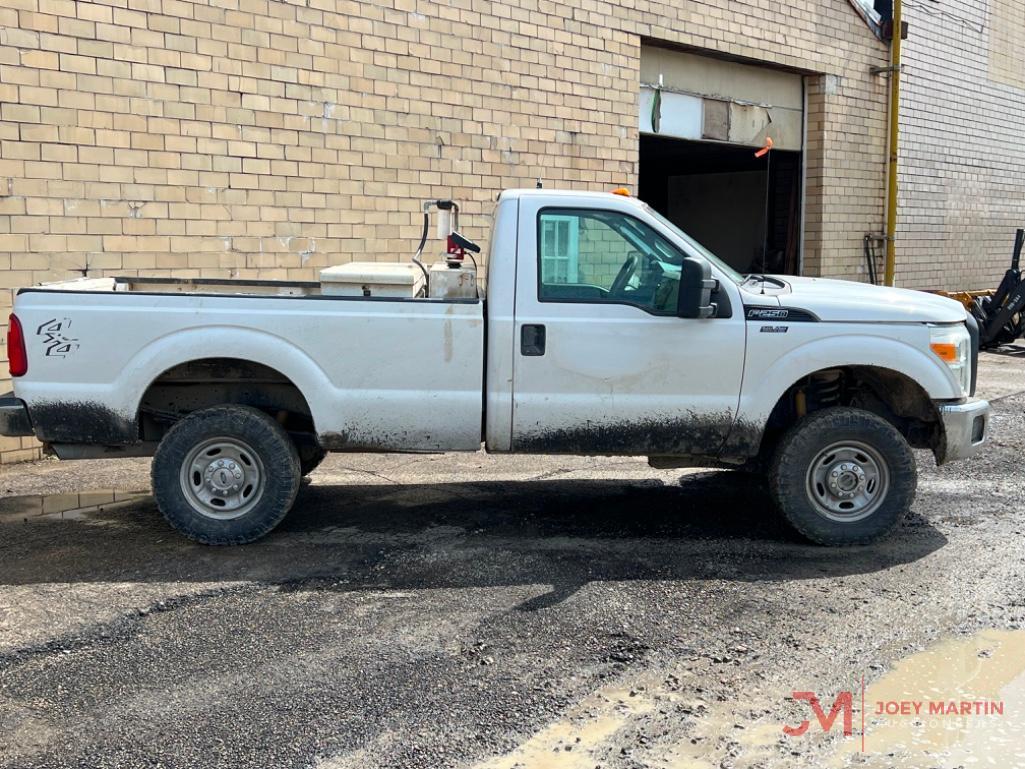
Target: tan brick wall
{"points": [[962, 159], [257, 138]]}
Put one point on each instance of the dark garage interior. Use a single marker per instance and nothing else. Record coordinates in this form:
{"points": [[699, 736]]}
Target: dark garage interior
{"points": [[717, 194]]}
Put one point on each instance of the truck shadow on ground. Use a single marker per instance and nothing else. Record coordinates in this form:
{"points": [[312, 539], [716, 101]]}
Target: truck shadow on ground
{"points": [[564, 533]]}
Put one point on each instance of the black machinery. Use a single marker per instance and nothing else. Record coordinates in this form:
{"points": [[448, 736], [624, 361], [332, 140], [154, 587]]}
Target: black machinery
{"points": [[1001, 317]]}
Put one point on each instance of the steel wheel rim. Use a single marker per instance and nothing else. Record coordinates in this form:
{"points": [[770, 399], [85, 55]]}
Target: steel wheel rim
{"points": [[222, 478], [847, 481]]}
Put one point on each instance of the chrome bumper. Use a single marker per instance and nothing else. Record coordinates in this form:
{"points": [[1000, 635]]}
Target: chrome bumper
{"points": [[965, 426]]}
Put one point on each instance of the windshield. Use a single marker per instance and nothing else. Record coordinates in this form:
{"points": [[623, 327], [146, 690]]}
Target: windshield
{"points": [[735, 276]]}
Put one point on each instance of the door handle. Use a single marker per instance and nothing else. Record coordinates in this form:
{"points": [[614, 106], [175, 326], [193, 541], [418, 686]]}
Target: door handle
{"points": [[532, 339]]}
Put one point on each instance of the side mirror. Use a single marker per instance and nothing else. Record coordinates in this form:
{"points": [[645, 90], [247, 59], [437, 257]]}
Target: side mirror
{"points": [[696, 286]]}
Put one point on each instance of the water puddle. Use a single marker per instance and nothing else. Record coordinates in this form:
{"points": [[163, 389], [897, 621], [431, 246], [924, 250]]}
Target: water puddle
{"points": [[73, 506], [585, 734], [959, 703], [716, 737], [969, 694], [607, 726]]}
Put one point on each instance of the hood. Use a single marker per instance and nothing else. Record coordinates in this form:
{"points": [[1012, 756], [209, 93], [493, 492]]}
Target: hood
{"points": [[844, 300]]}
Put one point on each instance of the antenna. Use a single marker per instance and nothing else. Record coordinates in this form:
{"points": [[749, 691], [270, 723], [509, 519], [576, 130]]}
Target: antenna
{"points": [[539, 185], [766, 152]]}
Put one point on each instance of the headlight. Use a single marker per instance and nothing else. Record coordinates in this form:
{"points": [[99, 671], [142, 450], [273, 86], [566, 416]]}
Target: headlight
{"points": [[951, 344]]}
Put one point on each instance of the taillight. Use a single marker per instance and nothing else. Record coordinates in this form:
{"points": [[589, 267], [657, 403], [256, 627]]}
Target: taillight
{"points": [[16, 348]]}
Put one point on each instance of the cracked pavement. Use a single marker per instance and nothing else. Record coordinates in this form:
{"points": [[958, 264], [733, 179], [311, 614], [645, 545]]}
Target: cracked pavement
{"points": [[476, 611]]}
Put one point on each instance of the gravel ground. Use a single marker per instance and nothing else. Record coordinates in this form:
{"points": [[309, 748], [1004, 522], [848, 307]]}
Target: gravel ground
{"points": [[475, 611]]}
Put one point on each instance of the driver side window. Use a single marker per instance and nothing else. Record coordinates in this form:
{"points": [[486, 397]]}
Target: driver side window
{"points": [[605, 257]]}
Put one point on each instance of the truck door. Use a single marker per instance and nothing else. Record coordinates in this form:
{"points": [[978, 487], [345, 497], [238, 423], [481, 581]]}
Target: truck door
{"points": [[602, 364]]}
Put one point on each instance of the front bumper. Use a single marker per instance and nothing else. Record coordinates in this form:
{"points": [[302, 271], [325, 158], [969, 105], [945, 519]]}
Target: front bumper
{"points": [[965, 427], [14, 421]]}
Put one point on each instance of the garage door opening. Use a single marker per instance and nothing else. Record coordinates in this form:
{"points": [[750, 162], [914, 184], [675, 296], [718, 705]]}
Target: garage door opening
{"points": [[742, 208]]}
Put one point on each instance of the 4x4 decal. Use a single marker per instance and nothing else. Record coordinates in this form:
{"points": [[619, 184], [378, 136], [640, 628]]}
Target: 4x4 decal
{"points": [[55, 338]]}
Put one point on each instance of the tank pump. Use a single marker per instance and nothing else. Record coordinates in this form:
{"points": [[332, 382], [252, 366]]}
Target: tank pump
{"points": [[457, 248]]}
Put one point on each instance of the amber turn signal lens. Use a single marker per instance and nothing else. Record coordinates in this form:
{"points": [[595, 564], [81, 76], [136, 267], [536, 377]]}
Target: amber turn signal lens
{"points": [[946, 351]]}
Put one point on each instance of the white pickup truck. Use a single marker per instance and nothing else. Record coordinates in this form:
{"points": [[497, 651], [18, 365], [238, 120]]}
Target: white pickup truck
{"points": [[605, 331]]}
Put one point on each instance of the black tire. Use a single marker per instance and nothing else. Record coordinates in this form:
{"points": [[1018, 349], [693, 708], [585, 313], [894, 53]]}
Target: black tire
{"points": [[807, 491], [310, 459], [244, 440]]}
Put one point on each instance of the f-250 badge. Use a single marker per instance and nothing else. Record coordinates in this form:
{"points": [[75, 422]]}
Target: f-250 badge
{"points": [[767, 313], [55, 338]]}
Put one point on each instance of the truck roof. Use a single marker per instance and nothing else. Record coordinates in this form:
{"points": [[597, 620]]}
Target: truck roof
{"points": [[525, 192]]}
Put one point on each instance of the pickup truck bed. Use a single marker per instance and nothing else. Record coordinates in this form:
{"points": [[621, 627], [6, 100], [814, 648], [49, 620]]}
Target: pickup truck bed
{"points": [[376, 374]]}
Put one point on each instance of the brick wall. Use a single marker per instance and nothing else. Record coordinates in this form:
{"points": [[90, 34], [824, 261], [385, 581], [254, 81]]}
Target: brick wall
{"points": [[250, 138], [962, 163], [603, 251]]}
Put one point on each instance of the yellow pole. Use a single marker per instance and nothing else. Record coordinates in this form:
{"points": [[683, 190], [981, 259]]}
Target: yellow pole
{"points": [[891, 193]]}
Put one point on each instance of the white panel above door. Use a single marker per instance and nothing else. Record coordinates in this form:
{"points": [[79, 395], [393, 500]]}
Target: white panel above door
{"points": [[681, 114], [709, 99]]}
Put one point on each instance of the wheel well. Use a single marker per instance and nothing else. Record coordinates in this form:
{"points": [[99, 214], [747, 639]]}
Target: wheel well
{"points": [[895, 397], [206, 382]]}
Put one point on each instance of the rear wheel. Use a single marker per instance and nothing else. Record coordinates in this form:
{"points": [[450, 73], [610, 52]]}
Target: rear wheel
{"points": [[225, 475], [843, 476]]}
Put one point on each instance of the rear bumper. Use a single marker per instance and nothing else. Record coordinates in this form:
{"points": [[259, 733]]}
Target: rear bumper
{"points": [[965, 426], [14, 421]]}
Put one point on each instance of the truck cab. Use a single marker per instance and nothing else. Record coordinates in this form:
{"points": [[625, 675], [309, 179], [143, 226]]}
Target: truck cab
{"points": [[584, 320]]}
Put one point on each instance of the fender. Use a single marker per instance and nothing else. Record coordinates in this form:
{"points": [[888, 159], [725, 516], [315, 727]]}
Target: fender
{"points": [[763, 388], [225, 342], [107, 413]]}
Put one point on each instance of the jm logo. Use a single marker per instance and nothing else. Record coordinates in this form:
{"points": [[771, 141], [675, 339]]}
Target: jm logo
{"points": [[55, 338], [844, 703]]}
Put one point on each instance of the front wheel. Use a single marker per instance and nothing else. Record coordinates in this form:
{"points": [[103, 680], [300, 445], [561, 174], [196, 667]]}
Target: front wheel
{"points": [[225, 475], [843, 476]]}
